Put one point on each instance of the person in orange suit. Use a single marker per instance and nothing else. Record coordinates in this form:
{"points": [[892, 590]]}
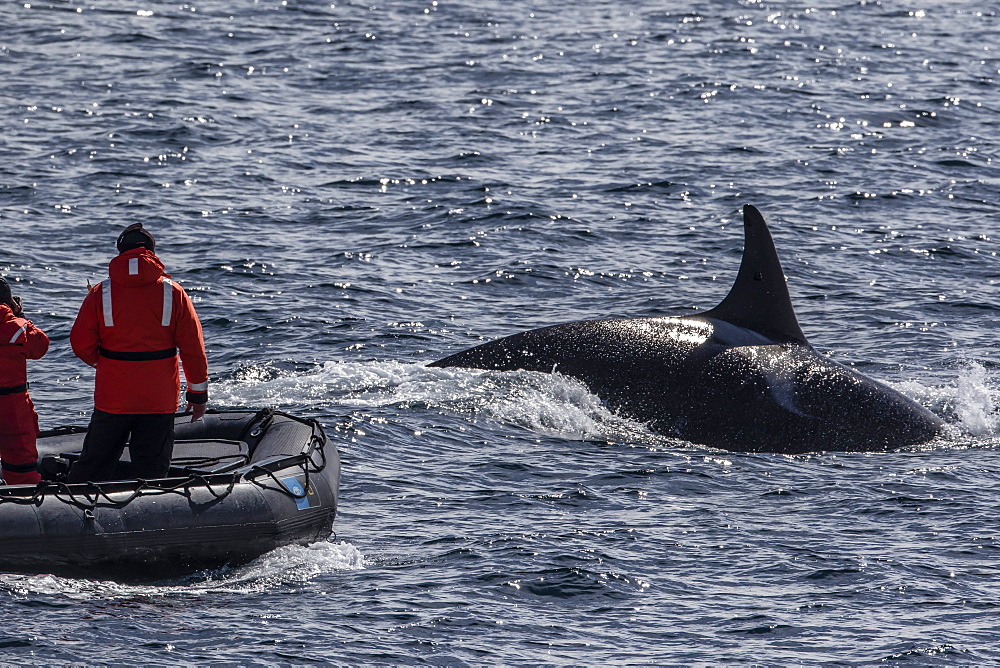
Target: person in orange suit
{"points": [[20, 341], [131, 328]]}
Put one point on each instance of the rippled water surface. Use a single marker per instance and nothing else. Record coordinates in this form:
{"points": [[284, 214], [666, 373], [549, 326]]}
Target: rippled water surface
{"points": [[351, 190]]}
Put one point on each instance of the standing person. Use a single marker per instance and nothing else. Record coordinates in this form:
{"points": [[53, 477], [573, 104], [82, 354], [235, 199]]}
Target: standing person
{"points": [[130, 328], [20, 341]]}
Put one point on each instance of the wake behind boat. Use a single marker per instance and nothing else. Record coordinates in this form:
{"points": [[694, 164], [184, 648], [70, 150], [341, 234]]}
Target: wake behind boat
{"points": [[241, 483]]}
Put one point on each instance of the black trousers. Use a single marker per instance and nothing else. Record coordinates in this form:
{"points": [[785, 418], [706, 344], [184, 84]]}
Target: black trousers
{"points": [[150, 440]]}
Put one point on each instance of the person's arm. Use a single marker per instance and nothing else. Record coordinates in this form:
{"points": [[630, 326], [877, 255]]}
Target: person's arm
{"points": [[191, 344], [84, 336], [37, 343], [34, 342]]}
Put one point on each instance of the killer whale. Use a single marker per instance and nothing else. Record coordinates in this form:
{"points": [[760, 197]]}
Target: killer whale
{"points": [[741, 376]]}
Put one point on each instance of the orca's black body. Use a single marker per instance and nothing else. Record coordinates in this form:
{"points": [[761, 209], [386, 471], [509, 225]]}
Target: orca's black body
{"points": [[241, 483], [741, 376]]}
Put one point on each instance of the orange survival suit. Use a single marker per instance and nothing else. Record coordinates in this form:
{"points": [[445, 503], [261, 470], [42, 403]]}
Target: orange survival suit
{"points": [[131, 327], [20, 341]]}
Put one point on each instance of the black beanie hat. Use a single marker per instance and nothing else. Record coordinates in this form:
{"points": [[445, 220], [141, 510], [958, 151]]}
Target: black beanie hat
{"points": [[5, 295], [135, 236]]}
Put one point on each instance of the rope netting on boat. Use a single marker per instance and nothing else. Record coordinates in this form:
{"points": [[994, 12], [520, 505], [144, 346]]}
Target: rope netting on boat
{"points": [[120, 493]]}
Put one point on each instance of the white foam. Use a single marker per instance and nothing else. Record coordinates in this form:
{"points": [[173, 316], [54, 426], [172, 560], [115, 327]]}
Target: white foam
{"points": [[288, 564], [975, 402], [280, 567], [549, 404], [970, 400]]}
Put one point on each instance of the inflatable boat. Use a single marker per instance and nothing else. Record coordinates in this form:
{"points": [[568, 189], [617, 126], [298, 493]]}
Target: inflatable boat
{"points": [[241, 483]]}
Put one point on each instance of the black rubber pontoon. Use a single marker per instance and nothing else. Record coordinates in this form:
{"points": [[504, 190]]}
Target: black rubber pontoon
{"points": [[241, 484]]}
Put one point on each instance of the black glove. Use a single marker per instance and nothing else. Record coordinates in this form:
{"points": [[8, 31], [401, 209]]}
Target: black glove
{"points": [[18, 307]]}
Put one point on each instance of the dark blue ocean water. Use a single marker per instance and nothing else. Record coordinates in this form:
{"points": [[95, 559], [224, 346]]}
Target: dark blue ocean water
{"points": [[352, 189]]}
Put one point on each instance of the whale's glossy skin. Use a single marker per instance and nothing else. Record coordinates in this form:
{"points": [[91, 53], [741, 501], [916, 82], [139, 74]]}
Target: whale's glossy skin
{"points": [[740, 377]]}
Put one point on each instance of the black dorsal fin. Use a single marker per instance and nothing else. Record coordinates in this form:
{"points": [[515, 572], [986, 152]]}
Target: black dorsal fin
{"points": [[759, 299]]}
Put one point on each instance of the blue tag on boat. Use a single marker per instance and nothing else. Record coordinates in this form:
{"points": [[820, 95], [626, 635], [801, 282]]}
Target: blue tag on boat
{"points": [[295, 487]]}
